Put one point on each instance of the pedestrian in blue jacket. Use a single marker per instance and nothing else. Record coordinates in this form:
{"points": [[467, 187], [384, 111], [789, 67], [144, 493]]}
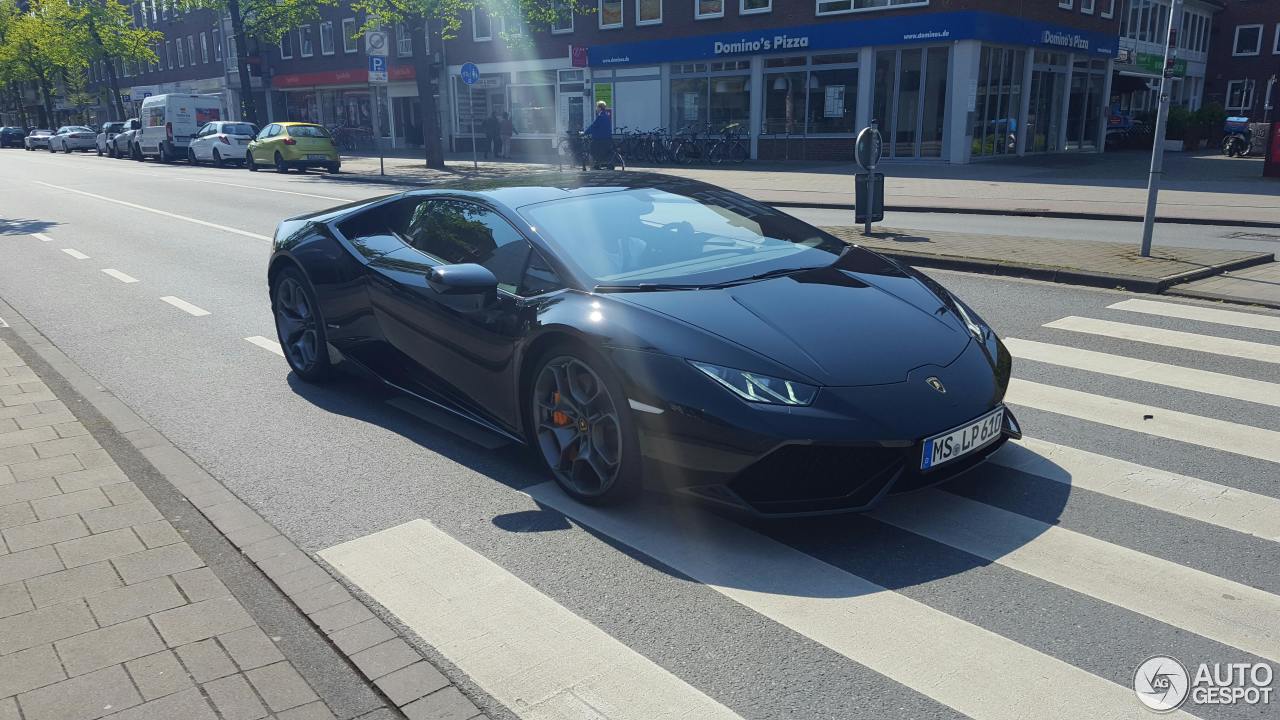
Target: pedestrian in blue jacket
{"points": [[601, 133]]}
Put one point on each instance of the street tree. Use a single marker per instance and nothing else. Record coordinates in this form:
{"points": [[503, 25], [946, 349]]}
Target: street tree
{"points": [[34, 49], [266, 21], [441, 19], [102, 30]]}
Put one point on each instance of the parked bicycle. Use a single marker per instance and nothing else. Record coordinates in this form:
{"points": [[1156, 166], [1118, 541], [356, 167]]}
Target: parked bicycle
{"points": [[351, 138]]}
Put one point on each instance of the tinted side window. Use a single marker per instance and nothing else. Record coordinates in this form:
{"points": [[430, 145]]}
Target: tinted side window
{"points": [[457, 231], [538, 277]]}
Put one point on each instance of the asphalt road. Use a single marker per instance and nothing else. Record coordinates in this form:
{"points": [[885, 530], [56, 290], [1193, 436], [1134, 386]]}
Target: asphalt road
{"points": [[1031, 588]]}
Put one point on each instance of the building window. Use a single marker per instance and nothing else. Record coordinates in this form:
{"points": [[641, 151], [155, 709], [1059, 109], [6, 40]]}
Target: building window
{"points": [[304, 41], [1110, 10], [231, 48], [349, 35], [204, 48], [481, 24], [751, 7], [1240, 95], [1276, 50], [1066, 4], [153, 12], [191, 49], [404, 43], [168, 54], [326, 38], [1248, 40], [648, 12], [706, 9], [563, 20], [182, 54], [286, 46], [164, 9], [1086, 6], [835, 7], [610, 13]]}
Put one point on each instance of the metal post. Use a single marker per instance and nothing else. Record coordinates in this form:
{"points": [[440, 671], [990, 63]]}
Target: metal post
{"points": [[1162, 122], [375, 116], [471, 110]]}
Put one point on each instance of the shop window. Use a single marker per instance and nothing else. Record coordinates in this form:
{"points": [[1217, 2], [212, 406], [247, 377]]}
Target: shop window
{"points": [[481, 24], [833, 100], [349, 35], [326, 38], [610, 13], [286, 46], [707, 9], [304, 41], [648, 12], [533, 109], [204, 48], [562, 20], [730, 102], [834, 7], [689, 103], [999, 101], [785, 100], [750, 7], [1240, 95], [1248, 40]]}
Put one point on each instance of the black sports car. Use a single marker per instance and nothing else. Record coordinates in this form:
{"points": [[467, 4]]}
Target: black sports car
{"points": [[647, 330]]}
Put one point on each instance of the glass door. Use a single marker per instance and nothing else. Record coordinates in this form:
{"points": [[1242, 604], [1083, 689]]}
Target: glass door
{"points": [[1045, 111], [909, 100]]}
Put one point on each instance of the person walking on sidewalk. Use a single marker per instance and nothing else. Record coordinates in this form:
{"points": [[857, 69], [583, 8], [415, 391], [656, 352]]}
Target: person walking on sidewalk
{"points": [[490, 129], [506, 129], [601, 133]]}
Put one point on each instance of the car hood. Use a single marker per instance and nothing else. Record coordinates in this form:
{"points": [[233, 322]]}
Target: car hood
{"points": [[835, 327]]}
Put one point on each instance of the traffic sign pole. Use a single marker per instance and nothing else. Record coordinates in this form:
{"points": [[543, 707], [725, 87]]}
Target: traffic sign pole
{"points": [[1162, 122], [470, 73], [867, 150]]}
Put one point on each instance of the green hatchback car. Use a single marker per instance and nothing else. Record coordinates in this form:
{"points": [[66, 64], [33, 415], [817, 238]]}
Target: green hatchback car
{"points": [[293, 145]]}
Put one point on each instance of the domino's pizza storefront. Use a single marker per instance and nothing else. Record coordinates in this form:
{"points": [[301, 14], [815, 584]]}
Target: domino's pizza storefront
{"points": [[944, 86]]}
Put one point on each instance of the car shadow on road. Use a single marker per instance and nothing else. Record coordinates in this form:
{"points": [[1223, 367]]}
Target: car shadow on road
{"points": [[24, 227]]}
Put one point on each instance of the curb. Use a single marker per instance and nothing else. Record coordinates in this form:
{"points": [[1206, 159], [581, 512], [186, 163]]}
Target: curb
{"points": [[1222, 297], [1068, 276], [400, 674]]}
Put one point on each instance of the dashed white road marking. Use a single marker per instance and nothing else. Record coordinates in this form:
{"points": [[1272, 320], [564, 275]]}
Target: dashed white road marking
{"points": [[1199, 312], [144, 208], [1189, 497], [42, 237], [526, 650], [75, 254], [266, 344], [979, 673], [1170, 338], [184, 305], [122, 277], [1202, 381], [1206, 432]]}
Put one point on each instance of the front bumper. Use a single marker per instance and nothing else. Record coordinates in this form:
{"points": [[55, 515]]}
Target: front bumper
{"points": [[844, 453]]}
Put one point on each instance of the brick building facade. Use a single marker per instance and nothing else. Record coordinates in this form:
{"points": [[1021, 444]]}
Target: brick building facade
{"points": [[1244, 60]]}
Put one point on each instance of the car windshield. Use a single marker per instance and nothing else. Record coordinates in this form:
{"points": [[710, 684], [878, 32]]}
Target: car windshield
{"points": [[307, 131], [239, 129], [650, 236]]}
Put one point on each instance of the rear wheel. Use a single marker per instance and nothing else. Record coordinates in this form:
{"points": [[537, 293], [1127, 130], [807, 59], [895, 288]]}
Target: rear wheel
{"points": [[582, 428], [280, 166], [217, 158], [299, 326]]}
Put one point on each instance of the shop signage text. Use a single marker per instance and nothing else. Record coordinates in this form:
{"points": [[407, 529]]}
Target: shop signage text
{"points": [[863, 32]]}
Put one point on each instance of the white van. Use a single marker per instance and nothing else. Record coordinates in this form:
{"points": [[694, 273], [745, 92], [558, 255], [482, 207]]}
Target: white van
{"points": [[169, 122]]}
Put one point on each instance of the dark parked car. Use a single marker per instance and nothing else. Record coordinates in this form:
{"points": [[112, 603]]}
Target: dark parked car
{"points": [[37, 139], [640, 329], [12, 136]]}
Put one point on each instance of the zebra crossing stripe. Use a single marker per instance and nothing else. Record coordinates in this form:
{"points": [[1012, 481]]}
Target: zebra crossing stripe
{"points": [[1206, 432], [1114, 574], [1170, 338], [1199, 312], [1203, 381], [976, 672], [526, 650], [1189, 497]]}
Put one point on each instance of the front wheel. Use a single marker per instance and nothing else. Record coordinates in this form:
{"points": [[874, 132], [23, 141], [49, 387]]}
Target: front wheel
{"points": [[249, 163], [191, 157], [299, 326], [582, 427]]}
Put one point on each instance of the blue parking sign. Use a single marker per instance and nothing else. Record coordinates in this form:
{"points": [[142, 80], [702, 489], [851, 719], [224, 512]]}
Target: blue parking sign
{"points": [[470, 73], [377, 63]]}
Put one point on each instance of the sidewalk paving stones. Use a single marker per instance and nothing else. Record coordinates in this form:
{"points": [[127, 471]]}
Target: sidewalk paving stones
{"points": [[1258, 285]]}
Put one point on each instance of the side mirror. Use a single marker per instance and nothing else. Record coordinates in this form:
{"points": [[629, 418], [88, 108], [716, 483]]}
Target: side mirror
{"points": [[462, 279]]}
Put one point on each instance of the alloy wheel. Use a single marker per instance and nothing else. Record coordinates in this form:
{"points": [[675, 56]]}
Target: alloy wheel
{"points": [[577, 426], [296, 324]]}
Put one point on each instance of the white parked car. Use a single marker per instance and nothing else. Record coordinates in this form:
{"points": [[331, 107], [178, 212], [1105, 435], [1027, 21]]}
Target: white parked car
{"points": [[109, 131], [73, 137], [221, 142], [121, 146]]}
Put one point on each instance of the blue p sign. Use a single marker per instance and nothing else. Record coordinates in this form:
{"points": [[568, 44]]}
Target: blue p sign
{"points": [[470, 73], [377, 63]]}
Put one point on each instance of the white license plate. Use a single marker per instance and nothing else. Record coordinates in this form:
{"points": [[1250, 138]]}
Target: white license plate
{"points": [[317, 157], [963, 440]]}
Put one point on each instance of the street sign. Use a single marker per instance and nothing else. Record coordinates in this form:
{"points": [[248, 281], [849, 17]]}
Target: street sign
{"points": [[377, 68], [861, 203], [868, 148], [375, 43], [124, 97], [146, 95], [470, 73]]}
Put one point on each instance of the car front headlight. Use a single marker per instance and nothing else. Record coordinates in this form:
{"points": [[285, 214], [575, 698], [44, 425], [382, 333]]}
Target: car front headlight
{"points": [[754, 387]]}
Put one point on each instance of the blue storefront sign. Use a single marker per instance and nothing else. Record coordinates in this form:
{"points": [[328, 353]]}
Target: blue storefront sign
{"points": [[879, 32]]}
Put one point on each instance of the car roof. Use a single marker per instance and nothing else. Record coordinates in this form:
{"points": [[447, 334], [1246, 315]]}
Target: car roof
{"points": [[298, 124], [529, 189]]}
